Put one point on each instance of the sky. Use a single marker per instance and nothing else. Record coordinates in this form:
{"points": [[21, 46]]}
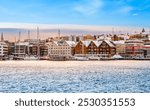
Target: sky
{"points": [[83, 12], [76, 13]]}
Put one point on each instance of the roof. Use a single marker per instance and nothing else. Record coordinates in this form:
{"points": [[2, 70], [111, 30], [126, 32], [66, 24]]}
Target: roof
{"points": [[109, 43], [119, 42], [2, 43], [22, 43], [71, 43], [134, 41], [86, 43], [97, 43]]}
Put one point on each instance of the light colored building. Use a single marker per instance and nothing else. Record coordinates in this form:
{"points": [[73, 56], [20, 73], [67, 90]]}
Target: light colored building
{"points": [[120, 47], [134, 48], [61, 49], [21, 49], [3, 49]]}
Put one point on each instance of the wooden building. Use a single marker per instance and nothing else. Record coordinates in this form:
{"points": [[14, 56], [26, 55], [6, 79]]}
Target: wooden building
{"points": [[102, 48]]}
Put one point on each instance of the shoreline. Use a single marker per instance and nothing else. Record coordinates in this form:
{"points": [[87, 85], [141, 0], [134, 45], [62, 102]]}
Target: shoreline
{"points": [[83, 60]]}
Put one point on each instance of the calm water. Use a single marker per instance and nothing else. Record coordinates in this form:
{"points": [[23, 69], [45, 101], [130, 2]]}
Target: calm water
{"points": [[74, 76]]}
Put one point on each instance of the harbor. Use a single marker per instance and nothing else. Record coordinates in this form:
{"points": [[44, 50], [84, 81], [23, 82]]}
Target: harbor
{"points": [[75, 76]]}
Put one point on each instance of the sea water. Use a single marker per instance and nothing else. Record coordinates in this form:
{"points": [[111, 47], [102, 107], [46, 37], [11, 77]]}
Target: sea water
{"points": [[74, 76]]}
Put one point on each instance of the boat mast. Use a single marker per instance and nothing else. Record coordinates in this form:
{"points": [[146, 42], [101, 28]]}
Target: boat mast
{"points": [[29, 42], [38, 46], [19, 44]]}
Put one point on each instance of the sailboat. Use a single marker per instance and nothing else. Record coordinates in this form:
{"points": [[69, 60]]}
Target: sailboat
{"points": [[17, 54], [29, 56]]}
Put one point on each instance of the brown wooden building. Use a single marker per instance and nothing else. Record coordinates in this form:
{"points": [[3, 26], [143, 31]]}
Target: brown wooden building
{"points": [[103, 48]]}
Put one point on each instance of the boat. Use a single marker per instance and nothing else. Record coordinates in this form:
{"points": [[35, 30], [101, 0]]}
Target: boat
{"points": [[93, 58], [81, 58], [30, 58], [44, 58]]}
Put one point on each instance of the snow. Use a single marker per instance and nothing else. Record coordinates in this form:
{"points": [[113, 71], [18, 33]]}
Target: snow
{"points": [[74, 76], [121, 42], [109, 43], [71, 43], [86, 43], [117, 56]]}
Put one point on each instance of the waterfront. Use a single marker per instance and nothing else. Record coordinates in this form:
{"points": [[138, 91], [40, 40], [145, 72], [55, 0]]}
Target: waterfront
{"points": [[74, 76]]}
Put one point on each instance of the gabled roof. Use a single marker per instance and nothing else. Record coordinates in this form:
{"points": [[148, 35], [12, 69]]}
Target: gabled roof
{"points": [[97, 43], [109, 43], [86, 43], [71, 43]]}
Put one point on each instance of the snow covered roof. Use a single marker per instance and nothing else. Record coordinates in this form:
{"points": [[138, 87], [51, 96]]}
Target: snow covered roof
{"points": [[22, 43], [55, 42], [2, 43], [86, 43], [97, 43], [134, 41], [71, 43], [119, 42], [109, 43]]}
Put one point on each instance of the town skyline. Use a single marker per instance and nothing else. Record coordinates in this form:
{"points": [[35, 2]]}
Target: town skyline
{"points": [[11, 30]]}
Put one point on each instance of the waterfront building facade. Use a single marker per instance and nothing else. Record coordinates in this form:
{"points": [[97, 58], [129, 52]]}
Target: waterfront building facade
{"points": [[120, 47], [21, 49], [102, 48], [3, 49], [134, 48], [61, 49]]}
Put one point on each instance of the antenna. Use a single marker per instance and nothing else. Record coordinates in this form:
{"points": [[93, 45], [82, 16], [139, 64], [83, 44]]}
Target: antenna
{"points": [[29, 42], [19, 36], [38, 45], [59, 33], [19, 43], [29, 34], [38, 33], [2, 37], [113, 31]]}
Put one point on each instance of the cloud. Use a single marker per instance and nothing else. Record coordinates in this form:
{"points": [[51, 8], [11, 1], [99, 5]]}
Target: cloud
{"points": [[135, 14], [126, 9], [88, 7]]}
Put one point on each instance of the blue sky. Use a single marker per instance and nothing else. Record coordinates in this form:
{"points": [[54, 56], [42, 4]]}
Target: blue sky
{"points": [[83, 12]]}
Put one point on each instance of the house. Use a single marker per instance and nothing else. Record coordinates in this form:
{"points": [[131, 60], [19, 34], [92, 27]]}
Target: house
{"points": [[120, 47], [107, 48], [102, 48], [134, 48], [81, 48]]}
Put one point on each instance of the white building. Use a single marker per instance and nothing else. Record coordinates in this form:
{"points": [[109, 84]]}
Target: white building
{"points": [[120, 47], [3, 49], [20, 49], [61, 48]]}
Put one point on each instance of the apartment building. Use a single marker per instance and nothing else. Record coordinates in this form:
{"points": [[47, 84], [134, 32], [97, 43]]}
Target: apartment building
{"points": [[134, 48], [61, 48], [3, 49]]}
